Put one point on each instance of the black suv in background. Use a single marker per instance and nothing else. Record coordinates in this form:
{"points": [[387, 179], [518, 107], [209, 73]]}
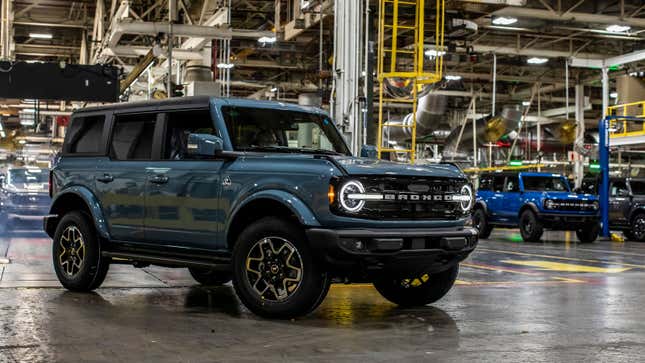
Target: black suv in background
{"points": [[626, 204]]}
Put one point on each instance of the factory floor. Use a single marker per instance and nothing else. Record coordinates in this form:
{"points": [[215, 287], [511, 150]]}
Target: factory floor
{"points": [[555, 301]]}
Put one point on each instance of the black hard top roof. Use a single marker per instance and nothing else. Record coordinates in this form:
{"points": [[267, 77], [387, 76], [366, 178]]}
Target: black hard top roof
{"points": [[195, 101]]}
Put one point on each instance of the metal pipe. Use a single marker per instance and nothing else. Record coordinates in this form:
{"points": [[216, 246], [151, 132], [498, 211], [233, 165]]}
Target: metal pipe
{"points": [[494, 83]]}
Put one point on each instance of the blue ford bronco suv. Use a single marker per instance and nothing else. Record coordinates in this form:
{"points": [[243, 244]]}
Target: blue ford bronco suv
{"points": [[265, 194], [534, 201]]}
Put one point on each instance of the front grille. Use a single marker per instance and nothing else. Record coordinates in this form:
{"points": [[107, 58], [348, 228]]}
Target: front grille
{"points": [[412, 198], [574, 205]]}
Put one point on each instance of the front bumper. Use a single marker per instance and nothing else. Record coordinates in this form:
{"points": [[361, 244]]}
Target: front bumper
{"points": [[395, 250], [567, 221]]}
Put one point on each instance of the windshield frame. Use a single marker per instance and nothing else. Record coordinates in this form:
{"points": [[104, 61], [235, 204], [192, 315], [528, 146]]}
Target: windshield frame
{"points": [[332, 133], [558, 177]]}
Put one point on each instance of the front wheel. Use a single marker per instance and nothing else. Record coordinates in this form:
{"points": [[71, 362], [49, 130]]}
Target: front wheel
{"points": [[530, 227], [637, 232], [420, 291], [77, 253], [275, 273], [480, 221], [589, 233]]}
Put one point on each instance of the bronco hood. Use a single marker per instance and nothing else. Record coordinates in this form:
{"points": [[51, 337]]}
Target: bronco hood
{"points": [[361, 166]]}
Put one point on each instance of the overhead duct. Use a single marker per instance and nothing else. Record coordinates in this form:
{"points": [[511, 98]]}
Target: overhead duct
{"points": [[489, 129], [430, 109]]}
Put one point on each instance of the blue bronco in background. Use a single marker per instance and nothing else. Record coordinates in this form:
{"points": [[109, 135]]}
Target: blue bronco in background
{"points": [[533, 202], [265, 194]]}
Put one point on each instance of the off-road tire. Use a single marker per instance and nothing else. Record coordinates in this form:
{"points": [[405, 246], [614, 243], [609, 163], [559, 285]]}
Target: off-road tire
{"points": [[480, 221], [637, 228], [314, 282], [93, 267], [589, 233], [209, 277], [530, 226], [399, 291]]}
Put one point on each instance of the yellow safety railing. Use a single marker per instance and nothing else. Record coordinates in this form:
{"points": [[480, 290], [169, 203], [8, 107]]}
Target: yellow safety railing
{"points": [[618, 127], [406, 63]]}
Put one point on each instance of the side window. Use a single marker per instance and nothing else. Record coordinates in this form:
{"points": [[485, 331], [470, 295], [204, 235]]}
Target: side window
{"points": [[486, 182], [512, 184], [132, 137], [498, 183], [180, 124], [85, 135], [618, 188]]}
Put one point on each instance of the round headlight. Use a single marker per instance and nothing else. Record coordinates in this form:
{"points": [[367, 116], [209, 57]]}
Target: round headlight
{"points": [[595, 205], [467, 198], [346, 198], [549, 204]]}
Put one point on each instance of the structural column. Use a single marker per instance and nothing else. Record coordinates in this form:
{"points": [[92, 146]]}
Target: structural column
{"points": [[347, 70], [578, 167]]}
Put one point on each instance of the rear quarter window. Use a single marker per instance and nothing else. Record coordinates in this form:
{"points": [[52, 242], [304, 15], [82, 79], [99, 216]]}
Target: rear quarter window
{"points": [[85, 135]]}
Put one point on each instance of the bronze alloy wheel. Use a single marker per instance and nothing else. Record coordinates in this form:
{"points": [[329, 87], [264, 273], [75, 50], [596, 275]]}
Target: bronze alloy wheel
{"points": [[72, 251], [274, 269]]}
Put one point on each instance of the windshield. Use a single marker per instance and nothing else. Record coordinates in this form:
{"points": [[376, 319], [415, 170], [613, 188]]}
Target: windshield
{"points": [[638, 187], [265, 129], [545, 183], [27, 176]]}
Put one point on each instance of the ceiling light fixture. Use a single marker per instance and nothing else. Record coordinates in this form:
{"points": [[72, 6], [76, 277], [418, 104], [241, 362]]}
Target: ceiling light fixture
{"points": [[40, 36], [451, 77], [526, 103], [268, 40], [618, 28], [613, 95], [537, 60], [225, 65], [433, 53], [503, 20]]}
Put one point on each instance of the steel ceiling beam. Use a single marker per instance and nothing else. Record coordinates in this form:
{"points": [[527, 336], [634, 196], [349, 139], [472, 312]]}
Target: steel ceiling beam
{"points": [[523, 12]]}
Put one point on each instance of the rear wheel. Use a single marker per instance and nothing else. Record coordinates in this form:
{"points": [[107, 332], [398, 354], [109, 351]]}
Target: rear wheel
{"points": [[275, 273], [420, 291], [480, 221], [530, 227], [210, 277], [77, 253], [638, 228], [589, 233]]}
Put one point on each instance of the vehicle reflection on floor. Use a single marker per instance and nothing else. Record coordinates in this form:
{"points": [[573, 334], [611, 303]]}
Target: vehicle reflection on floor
{"points": [[552, 301]]}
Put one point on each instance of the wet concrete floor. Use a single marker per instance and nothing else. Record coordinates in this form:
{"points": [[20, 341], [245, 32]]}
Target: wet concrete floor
{"points": [[556, 301]]}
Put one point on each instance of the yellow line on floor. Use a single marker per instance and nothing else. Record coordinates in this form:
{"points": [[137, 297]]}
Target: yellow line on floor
{"points": [[495, 268], [566, 267], [560, 257]]}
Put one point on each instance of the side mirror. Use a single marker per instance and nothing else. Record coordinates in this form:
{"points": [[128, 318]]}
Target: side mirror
{"points": [[623, 193], [369, 151], [204, 145]]}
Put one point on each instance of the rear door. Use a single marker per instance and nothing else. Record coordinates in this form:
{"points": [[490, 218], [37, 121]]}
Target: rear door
{"points": [[182, 193], [512, 201], [618, 200], [121, 180], [496, 196]]}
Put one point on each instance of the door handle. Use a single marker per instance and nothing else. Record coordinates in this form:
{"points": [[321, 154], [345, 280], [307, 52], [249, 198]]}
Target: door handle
{"points": [[106, 178], [159, 179]]}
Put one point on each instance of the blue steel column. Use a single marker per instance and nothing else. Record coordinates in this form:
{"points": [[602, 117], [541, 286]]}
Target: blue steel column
{"points": [[603, 151]]}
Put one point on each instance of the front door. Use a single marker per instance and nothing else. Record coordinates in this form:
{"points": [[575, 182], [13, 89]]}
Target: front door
{"points": [[182, 193], [121, 179]]}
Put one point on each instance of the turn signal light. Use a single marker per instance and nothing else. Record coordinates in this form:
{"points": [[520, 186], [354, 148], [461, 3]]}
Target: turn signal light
{"points": [[331, 194]]}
